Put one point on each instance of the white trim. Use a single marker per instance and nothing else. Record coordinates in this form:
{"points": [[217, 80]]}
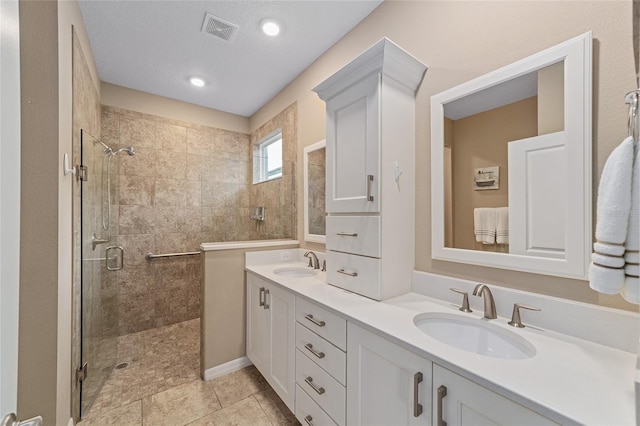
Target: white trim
{"points": [[9, 203], [233, 245], [314, 238], [576, 54], [71, 422], [226, 368]]}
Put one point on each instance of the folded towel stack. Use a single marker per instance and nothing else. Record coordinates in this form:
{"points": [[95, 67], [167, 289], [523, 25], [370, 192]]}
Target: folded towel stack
{"points": [[608, 261], [491, 225]]}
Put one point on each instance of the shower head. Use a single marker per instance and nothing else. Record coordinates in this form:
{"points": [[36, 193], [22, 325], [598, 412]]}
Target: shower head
{"points": [[129, 150]]}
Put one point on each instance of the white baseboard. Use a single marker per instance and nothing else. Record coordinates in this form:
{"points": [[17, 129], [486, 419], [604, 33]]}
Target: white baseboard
{"points": [[226, 368]]}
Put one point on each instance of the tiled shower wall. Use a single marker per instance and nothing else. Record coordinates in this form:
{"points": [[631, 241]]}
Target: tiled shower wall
{"points": [[186, 184]]}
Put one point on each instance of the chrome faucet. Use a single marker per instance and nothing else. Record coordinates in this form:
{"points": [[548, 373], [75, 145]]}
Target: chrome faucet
{"points": [[489, 304], [313, 260]]}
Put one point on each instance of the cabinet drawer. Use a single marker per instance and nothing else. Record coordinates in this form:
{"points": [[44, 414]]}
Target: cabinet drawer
{"points": [[358, 274], [321, 321], [326, 391], [310, 413], [323, 353], [354, 234]]}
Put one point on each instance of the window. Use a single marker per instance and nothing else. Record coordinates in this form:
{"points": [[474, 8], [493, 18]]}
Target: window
{"points": [[267, 159]]}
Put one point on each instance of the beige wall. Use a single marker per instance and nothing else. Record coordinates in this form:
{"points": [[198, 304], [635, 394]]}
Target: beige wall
{"points": [[122, 97], [462, 40], [39, 260], [478, 141], [223, 322], [551, 99]]}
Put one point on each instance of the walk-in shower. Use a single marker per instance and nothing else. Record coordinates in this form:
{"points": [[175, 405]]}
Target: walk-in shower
{"points": [[101, 256]]}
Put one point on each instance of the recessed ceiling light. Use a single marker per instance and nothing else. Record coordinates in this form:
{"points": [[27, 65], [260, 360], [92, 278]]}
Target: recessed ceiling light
{"points": [[270, 27], [196, 81]]}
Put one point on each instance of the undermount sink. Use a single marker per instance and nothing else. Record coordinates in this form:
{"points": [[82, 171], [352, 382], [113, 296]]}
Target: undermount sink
{"points": [[294, 271], [474, 335]]}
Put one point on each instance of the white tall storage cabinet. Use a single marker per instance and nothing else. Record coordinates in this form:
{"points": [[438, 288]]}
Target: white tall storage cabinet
{"points": [[370, 188]]}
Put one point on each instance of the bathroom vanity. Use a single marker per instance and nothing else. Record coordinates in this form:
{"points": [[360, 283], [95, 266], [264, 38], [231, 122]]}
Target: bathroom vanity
{"points": [[345, 359]]}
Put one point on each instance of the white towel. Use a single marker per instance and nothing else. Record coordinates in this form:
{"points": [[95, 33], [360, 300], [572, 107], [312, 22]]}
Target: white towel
{"points": [[502, 225], [631, 289], [606, 272], [484, 225]]}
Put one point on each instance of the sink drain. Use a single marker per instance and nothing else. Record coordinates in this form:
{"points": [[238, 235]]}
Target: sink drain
{"points": [[122, 365]]}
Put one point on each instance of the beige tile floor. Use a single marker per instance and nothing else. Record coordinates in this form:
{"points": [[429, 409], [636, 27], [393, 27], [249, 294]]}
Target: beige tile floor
{"points": [[161, 387]]}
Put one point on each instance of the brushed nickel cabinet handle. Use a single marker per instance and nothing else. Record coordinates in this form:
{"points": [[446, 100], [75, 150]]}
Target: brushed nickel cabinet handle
{"points": [[417, 407], [261, 298], [308, 419], [309, 347], [369, 183], [351, 274], [266, 293], [315, 321], [347, 234], [320, 390], [442, 392]]}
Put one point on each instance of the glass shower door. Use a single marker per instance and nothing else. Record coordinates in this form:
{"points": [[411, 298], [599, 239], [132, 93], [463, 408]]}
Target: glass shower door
{"points": [[98, 311]]}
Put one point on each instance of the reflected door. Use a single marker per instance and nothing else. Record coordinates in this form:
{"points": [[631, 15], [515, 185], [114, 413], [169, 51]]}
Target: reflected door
{"points": [[99, 320]]}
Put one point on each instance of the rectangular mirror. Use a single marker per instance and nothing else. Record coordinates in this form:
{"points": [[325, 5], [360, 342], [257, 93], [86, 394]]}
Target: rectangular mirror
{"points": [[511, 165], [314, 192]]}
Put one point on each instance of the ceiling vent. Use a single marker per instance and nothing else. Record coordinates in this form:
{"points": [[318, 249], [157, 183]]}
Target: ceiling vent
{"points": [[219, 27]]}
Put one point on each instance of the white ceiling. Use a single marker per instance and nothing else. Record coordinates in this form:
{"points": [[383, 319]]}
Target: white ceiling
{"points": [[155, 46]]}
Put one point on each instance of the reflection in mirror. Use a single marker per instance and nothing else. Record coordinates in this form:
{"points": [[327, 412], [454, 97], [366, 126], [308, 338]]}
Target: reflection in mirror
{"points": [[511, 165], [480, 130], [314, 192]]}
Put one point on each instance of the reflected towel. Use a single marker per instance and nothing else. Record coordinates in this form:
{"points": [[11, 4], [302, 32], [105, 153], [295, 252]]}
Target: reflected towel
{"points": [[606, 272], [502, 225], [631, 290], [484, 225]]}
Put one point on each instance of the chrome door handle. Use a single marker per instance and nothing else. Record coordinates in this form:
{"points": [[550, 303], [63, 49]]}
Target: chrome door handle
{"points": [[309, 347], [106, 256], [369, 183], [347, 234], [309, 381], [442, 392], [315, 321], [261, 298], [351, 274], [417, 407], [308, 419], [266, 293], [12, 420]]}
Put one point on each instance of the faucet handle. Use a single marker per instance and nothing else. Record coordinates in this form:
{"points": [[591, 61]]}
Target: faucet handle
{"points": [[465, 300], [516, 321]]}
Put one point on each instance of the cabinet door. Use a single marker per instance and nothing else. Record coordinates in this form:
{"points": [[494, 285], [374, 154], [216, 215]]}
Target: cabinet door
{"points": [[467, 403], [382, 379], [257, 322], [280, 305], [353, 148]]}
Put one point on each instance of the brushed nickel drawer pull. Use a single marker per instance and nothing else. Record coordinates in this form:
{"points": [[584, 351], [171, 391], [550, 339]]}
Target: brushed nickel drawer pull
{"points": [[369, 183], [351, 274], [262, 297], [347, 234], [315, 321], [308, 419], [266, 293], [417, 407], [442, 392], [309, 347], [309, 381]]}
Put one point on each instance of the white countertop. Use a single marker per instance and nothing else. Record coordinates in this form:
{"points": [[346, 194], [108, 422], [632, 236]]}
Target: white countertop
{"points": [[569, 380]]}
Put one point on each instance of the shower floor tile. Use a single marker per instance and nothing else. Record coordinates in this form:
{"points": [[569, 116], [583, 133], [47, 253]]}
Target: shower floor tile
{"points": [[161, 386]]}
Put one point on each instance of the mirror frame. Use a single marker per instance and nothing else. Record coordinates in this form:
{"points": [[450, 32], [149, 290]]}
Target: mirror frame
{"points": [[577, 56], [315, 238]]}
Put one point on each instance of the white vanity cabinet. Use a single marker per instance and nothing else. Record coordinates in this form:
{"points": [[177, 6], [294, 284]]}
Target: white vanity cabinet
{"points": [[388, 385], [370, 148], [271, 335], [321, 338], [462, 402]]}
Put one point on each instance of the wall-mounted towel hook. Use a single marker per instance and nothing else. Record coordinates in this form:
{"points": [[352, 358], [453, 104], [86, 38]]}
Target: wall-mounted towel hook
{"points": [[396, 171]]}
